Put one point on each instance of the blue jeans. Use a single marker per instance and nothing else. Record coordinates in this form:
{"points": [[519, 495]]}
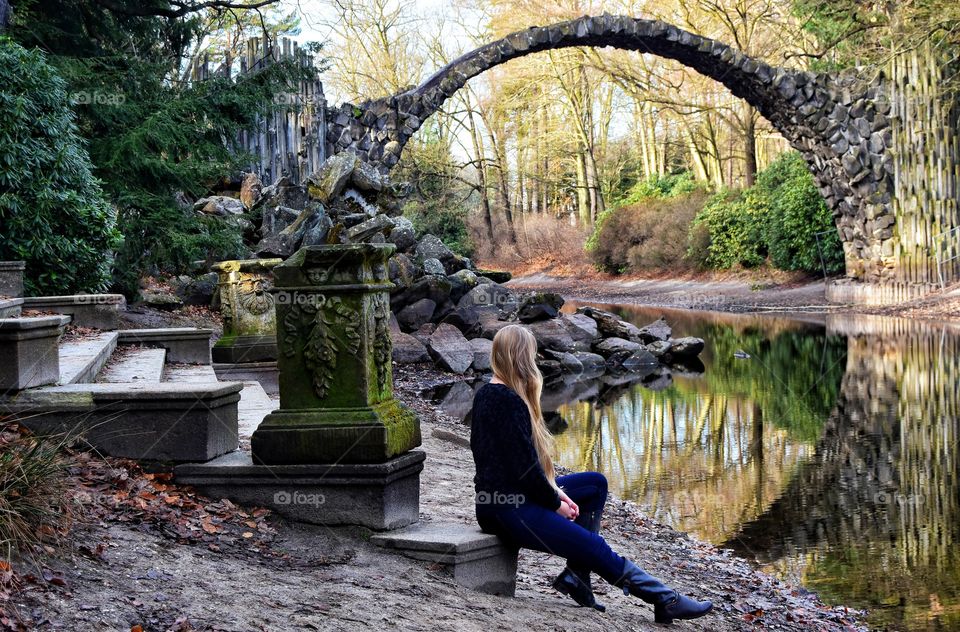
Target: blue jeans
{"points": [[535, 527]]}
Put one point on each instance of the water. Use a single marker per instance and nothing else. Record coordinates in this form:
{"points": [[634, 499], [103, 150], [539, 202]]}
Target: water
{"points": [[830, 456]]}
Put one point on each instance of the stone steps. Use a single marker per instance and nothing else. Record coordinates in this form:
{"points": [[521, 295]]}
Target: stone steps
{"points": [[82, 360], [190, 373], [134, 364]]}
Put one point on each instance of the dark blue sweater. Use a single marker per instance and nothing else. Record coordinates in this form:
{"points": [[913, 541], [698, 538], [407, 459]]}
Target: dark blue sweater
{"points": [[503, 450]]}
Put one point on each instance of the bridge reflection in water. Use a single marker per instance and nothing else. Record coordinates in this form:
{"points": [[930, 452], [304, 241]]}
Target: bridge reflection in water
{"points": [[830, 456]]}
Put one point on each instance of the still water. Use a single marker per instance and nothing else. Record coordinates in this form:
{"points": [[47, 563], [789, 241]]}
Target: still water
{"points": [[830, 456]]}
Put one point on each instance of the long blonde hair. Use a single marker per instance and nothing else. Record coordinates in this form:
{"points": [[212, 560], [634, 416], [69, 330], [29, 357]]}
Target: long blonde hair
{"points": [[514, 361]]}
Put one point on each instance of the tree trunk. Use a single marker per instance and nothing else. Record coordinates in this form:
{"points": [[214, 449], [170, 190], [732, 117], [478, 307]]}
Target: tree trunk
{"points": [[481, 163], [583, 195], [749, 145]]}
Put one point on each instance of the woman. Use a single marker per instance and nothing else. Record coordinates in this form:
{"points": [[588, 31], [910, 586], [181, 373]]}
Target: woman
{"points": [[520, 499]]}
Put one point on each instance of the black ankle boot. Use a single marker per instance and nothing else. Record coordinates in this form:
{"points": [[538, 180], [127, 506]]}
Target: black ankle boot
{"points": [[578, 588], [668, 604]]}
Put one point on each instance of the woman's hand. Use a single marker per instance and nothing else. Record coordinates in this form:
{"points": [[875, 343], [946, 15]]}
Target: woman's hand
{"points": [[566, 499], [567, 510]]}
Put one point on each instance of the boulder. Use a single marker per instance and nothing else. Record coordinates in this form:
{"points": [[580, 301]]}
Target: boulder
{"points": [[251, 190], [551, 334], [639, 360], [407, 349], [614, 347], [433, 266], [582, 329], [497, 276], [481, 353], [609, 324], [539, 306], [284, 192], [424, 332], [430, 247], [411, 317], [403, 272], [366, 177], [688, 347], [657, 330], [402, 234], [332, 177], [488, 295], [591, 362], [276, 218], [368, 228], [466, 319], [568, 361], [489, 323], [659, 348], [159, 299], [280, 245], [434, 287], [219, 205], [316, 229], [449, 349], [197, 291], [658, 380]]}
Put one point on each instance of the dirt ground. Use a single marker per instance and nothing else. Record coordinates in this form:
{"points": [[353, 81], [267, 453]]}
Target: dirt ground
{"points": [[153, 556], [732, 295]]}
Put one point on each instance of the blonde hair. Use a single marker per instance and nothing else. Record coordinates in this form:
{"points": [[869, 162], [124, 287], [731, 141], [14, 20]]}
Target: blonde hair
{"points": [[514, 361]]}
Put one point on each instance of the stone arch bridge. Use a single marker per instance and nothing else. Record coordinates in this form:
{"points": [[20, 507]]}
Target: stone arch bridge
{"points": [[867, 143]]}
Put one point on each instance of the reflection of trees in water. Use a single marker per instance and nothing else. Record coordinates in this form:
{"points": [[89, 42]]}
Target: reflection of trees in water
{"points": [[709, 454], [873, 518]]}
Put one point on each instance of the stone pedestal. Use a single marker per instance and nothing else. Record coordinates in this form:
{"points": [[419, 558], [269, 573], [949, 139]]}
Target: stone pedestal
{"points": [[249, 318], [336, 384], [29, 350], [11, 278]]}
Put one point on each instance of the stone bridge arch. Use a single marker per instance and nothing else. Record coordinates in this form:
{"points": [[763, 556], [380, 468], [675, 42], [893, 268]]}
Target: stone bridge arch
{"points": [[839, 123]]}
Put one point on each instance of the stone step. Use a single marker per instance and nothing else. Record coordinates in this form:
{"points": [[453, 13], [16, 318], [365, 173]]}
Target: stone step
{"points": [[183, 344], [254, 405], [134, 364], [179, 372], [81, 360], [176, 422], [480, 561]]}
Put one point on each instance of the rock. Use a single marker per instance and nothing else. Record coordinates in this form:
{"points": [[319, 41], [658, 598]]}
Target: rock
{"points": [[488, 295], [402, 235], [353, 219], [688, 347], [160, 300], [331, 178], [426, 330], [609, 324], [617, 348], [250, 190], [582, 329], [657, 330], [403, 272], [591, 362], [219, 205], [638, 360], [280, 245], [449, 349], [489, 323], [551, 334], [317, 228], [198, 291], [539, 306], [284, 192], [407, 349], [466, 319], [411, 317], [481, 353], [430, 247], [366, 229], [276, 218], [436, 288], [659, 348], [658, 380], [568, 361], [366, 177], [497, 276], [460, 283], [433, 266]]}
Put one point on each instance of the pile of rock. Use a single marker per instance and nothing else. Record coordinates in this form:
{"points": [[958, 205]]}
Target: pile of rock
{"points": [[446, 310]]}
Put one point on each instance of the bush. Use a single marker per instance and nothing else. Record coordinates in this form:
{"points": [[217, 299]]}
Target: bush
{"points": [[649, 234], [780, 216], [446, 221], [52, 210], [731, 226], [797, 213]]}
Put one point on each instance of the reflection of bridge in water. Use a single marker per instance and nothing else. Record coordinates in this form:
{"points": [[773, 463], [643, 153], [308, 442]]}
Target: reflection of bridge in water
{"points": [[875, 513]]}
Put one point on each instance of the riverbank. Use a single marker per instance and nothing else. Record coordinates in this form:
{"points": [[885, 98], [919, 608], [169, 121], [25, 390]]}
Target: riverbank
{"points": [[731, 295], [152, 554]]}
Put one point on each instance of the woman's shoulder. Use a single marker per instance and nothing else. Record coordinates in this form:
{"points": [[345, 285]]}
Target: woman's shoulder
{"points": [[496, 391]]}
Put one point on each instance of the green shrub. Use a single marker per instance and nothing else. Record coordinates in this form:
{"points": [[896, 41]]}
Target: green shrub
{"points": [[734, 222], [649, 234], [797, 213], [52, 210]]}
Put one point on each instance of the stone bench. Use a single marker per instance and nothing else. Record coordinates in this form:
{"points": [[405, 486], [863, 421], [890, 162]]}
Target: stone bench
{"points": [[183, 344], [100, 311], [479, 561]]}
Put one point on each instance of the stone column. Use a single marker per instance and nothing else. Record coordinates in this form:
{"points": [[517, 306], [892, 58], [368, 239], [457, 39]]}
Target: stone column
{"points": [[11, 278], [249, 319], [333, 338]]}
